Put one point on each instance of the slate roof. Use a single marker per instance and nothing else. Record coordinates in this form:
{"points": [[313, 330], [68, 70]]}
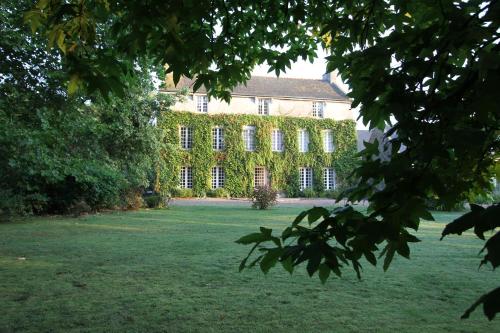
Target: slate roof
{"points": [[262, 86]]}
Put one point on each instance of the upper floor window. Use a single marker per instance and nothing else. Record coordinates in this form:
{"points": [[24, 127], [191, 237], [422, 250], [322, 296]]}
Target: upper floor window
{"points": [[186, 136], [329, 181], [218, 138], [277, 140], [328, 141], [264, 106], [249, 138], [217, 177], [305, 178], [303, 141], [186, 177], [318, 109], [202, 103]]}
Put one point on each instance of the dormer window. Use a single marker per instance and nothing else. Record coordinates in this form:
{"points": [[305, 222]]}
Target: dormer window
{"points": [[318, 109], [264, 106], [202, 103]]}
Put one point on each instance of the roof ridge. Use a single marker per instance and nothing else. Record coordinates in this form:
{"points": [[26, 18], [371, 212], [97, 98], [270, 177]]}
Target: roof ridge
{"points": [[288, 78]]}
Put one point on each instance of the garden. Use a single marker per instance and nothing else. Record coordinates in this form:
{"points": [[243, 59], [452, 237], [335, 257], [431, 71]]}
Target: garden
{"points": [[176, 270]]}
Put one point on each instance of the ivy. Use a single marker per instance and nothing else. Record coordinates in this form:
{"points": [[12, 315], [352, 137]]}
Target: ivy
{"points": [[283, 167]]}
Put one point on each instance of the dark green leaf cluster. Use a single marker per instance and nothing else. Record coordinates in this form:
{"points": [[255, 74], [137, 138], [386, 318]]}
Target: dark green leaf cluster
{"points": [[482, 220]]}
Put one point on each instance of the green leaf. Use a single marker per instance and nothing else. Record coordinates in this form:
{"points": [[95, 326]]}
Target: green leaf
{"points": [[324, 272], [255, 237], [315, 213], [270, 259]]}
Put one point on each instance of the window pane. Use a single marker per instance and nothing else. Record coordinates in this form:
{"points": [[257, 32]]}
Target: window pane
{"points": [[186, 177], [202, 103], [218, 138], [260, 177]]}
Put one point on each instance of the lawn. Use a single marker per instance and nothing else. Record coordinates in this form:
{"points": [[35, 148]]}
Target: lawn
{"points": [[176, 270]]}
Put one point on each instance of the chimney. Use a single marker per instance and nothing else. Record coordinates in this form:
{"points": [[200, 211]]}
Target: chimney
{"points": [[334, 78]]}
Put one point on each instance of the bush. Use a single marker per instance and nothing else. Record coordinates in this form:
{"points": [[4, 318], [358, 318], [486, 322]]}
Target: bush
{"points": [[264, 197], [182, 193], [308, 193], [331, 194], [133, 200], [79, 208], [156, 200], [435, 204], [218, 193]]}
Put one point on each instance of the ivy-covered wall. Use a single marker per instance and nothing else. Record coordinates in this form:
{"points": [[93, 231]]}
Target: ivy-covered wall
{"points": [[283, 167]]}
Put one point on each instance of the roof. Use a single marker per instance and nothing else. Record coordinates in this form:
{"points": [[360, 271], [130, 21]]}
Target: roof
{"points": [[263, 86]]}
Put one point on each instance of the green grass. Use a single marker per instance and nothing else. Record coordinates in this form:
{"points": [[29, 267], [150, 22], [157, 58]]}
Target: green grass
{"points": [[177, 271]]}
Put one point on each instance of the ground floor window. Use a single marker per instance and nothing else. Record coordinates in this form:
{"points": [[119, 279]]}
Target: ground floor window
{"points": [[217, 177], [260, 177], [186, 177], [305, 178], [329, 181]]}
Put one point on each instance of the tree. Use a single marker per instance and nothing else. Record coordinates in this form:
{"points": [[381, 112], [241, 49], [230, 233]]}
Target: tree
{"points": [[432, 66], [61, 151]]}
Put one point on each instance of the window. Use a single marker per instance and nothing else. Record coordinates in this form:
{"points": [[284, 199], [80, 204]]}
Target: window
{"points": [[264, 106], [217, 177], [318, 108], [277, 140], [186, 177], [186, 136], [303, 141], [328, 141], [218, 138], [249, 138], [202, 103], [329, 181], [305, 178], [260, 177]]}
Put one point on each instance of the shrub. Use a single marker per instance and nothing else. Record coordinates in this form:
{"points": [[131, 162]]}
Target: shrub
{"points": [[218, 193], [79, 208], [331, 194], [153, 200], [435, 204], [308, 193], [264, 197], [133, 200], [182, 193]]}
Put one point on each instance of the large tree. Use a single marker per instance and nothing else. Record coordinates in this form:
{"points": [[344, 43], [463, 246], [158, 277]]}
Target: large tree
{"points": [[428, 68]]}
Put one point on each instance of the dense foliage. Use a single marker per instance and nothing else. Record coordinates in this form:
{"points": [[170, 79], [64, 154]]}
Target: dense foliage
{"points": [[283, 167], [432, 66], [65, 154]]}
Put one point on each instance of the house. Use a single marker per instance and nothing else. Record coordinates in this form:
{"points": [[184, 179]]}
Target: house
{"points": [[297, 135]]}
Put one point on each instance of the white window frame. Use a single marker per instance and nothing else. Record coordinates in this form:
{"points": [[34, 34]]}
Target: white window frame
{"points": [[329, 179], [186, 137], [186, 177], [303, 140], [218, 138], [202, 103], [328, 145], [306, 179], [218, 177], [277, 143], [318, 109], [248, 135], [260, 176], [264, 106]]}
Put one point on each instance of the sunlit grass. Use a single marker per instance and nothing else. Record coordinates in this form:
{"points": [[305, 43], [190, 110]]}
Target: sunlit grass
{"points": [[177, 271]]}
